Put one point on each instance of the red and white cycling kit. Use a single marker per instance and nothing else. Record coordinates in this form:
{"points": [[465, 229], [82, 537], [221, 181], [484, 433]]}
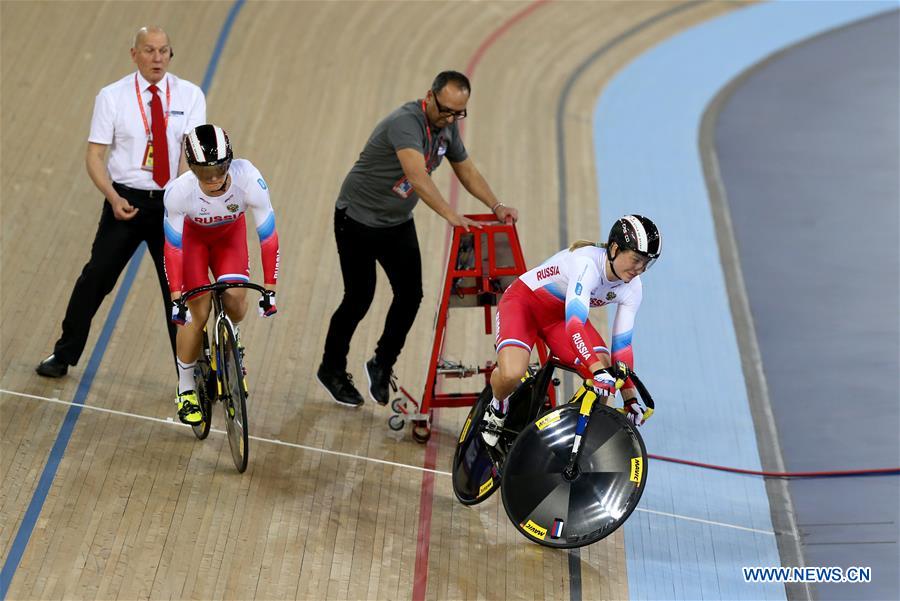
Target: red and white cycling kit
{"points": [[204, 232], [552, 301]]}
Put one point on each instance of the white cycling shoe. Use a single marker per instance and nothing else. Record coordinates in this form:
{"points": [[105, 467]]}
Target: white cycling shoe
{"points": [[493, 426]]}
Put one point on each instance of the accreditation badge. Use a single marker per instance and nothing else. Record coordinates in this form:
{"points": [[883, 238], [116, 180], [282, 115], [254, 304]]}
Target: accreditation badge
{"points": [[147, 162], [403, 188]]}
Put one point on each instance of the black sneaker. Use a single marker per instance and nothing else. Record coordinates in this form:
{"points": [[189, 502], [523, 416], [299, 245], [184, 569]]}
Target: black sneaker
{"points": [[51, 367], [381, 380], [339, 385]]}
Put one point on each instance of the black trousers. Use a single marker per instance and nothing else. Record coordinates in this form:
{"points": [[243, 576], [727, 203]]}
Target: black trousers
{"points": [[114, 244], [396, 249]]}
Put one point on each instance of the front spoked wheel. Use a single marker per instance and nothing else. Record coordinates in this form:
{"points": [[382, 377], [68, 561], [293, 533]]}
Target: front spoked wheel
{"points": [[564, 510], [204, 384], [234, 395]]}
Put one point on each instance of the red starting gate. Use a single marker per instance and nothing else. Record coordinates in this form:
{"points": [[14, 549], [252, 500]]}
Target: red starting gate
{"points": [[482, 263]]}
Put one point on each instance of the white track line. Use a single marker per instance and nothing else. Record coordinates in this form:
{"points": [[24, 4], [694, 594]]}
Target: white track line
{"points": [[702, 521], [171, 422]]}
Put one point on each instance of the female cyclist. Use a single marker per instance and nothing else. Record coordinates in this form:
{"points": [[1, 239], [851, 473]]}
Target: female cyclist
{"points": [[551, 302]]}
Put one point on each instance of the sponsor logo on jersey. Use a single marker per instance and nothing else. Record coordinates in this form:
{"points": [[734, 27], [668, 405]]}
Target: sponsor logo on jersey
{"points": [[637, 469], [232, 207], [578, 289], [534, 530], [581, 346], [262, 184], [546, 272]]}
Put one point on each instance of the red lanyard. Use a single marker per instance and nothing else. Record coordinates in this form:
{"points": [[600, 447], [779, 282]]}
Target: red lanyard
{"points": [[137, 90], [429, 149]]}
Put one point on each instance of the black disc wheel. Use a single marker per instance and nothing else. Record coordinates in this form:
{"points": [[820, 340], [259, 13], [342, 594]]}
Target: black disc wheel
{"points": [[475, 476], [558, 509], [202, 376], [233, 396]]}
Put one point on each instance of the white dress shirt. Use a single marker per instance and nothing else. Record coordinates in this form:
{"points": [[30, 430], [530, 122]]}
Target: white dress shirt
{"points": [[117, 122]]}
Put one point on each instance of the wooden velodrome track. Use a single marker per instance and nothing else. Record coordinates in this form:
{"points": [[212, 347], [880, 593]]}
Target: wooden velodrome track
{"points": [[140, 509]]}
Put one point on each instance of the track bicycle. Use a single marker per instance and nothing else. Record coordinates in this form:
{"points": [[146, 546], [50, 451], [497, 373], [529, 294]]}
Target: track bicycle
{"points": [[219, 374], [570, 475]]}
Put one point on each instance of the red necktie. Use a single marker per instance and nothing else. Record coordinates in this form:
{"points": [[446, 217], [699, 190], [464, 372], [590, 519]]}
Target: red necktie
{"points": [[160, 144]]}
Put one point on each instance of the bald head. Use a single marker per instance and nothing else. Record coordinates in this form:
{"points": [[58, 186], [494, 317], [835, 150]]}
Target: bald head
{"points": [[151, 53], [141, 34]]}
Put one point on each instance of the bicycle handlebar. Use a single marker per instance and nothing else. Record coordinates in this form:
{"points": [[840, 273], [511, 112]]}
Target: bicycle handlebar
{"points": [[218, 286], [642, 390], [613, 370]]}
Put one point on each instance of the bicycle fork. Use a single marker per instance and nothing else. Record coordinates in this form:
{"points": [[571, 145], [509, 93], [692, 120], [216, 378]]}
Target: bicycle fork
{"points": [[587, 405], [217, 361], [584, 413]]}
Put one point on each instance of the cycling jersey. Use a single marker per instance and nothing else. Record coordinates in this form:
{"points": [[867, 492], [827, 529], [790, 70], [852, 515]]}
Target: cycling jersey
{"points": [[565, 287], [215, 222]]}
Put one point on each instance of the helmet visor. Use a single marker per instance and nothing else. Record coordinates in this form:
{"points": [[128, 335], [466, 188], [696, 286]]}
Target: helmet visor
{"points": [[645, 259], [635, 259], [208, 173]]}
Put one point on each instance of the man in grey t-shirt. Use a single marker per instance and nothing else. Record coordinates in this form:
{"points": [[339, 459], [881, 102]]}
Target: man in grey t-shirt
{"points": [[377, 191], [373, 222]]}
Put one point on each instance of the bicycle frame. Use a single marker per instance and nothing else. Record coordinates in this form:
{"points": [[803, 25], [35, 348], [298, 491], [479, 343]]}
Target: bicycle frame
{"points": [[218, 310], [228, 372], [526, 401], [580, 437]]}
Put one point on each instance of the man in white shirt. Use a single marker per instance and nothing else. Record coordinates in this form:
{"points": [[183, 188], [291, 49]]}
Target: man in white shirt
{"points": [[130, 116]]}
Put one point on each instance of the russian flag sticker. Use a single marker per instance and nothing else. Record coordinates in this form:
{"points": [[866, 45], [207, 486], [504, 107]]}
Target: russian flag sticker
{"points": [[557, 528]]}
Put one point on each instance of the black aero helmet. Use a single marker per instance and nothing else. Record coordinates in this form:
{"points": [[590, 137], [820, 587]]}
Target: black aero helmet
{"points": [[208, 146], [637, 233]]}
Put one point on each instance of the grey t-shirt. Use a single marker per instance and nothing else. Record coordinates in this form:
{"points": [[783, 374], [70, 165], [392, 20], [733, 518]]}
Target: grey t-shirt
{"points": [[376, 192]]}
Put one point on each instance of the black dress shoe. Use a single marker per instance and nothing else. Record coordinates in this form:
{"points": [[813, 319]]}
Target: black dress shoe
{"points": [[339, 385], [51, 367]]}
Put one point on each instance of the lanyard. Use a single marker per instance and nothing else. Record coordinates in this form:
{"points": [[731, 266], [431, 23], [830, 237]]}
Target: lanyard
{"points": [[137, 90], [430, 150]]}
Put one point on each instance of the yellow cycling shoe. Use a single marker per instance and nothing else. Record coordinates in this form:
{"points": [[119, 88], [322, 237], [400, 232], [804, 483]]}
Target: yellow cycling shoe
{"points": [[189, 408]]}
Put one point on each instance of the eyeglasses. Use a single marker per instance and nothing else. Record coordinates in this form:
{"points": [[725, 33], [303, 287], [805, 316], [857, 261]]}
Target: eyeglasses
{"points": [[445, 111]]}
